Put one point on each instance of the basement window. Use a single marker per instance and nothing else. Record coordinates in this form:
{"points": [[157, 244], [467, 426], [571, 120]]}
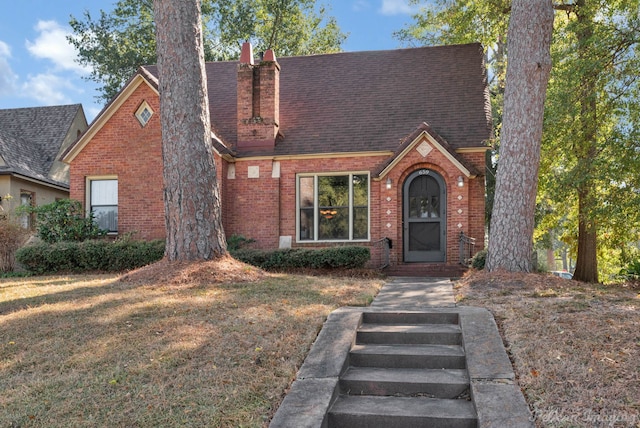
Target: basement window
{"points": [[144, 113]]}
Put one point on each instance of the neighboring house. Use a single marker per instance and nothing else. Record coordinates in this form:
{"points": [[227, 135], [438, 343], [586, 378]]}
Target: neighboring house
{"points": [[31, 143], [336, 149]]}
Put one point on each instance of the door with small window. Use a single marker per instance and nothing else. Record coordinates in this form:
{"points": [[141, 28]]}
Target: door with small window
{"points": [[424, 218]]}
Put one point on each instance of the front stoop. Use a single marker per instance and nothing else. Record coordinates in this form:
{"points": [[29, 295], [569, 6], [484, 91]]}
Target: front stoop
{"points": [[370, 367], [428, 270]]}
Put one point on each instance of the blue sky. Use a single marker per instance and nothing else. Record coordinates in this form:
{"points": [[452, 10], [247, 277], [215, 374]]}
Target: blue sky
{"points": [[37, 64]]}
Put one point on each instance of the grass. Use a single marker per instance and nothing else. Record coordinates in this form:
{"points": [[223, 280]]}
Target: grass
{"points": [[149, 350], [219, 344], [574, 346]]}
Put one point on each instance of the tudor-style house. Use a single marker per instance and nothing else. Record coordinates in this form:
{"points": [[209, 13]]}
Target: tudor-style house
{"points": [[336, 149]]}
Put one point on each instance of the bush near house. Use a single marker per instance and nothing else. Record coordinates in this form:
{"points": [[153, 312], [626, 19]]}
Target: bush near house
{"points": [[12, 237], [91, 255], [350, 257], [64, 220]]}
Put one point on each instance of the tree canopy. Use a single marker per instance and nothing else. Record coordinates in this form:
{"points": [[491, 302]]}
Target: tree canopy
{"points": [[588, 191], [116, 43]]}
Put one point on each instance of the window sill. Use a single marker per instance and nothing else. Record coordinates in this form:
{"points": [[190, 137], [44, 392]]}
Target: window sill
{"points": [[334, 241]]}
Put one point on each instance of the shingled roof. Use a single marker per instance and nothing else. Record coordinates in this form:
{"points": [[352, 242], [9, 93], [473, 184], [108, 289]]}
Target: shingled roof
{"points": [[30, 139], [365, 101]]}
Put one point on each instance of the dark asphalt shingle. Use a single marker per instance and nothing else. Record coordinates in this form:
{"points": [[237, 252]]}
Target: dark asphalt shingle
{"points": [[366, 101], [30, 138]]}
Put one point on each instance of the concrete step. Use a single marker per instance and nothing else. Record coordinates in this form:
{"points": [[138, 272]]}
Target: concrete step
{"points": [[426, 270], [405, 382], [444, 334], [408, 356], [410, 318], [401, 412]]}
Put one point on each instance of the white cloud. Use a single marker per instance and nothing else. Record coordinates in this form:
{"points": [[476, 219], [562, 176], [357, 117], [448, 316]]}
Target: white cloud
{"points": [[48, 89], [5, 50], [8, 79], [397, 7], [52, 44]]}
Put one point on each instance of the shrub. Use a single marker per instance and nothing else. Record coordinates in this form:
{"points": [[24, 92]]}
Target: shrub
{"points": [[479, 259], [93, 255], [237, 242], [631, 272], [12, 237], [65, 220], [326, 258]]}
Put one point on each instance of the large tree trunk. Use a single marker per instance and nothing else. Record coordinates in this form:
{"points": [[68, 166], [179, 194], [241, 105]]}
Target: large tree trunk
{"points": [[191, 194], [528, 70]]}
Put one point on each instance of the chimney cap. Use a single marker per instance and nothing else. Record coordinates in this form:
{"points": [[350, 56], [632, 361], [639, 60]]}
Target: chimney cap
{"points": [[246, 55], [269, 55]]}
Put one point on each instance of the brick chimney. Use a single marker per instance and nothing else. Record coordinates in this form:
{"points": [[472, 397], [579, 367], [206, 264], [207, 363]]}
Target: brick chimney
{"points": [[258, 100]]}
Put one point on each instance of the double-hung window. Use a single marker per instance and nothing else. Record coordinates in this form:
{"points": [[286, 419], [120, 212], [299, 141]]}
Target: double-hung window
{"points": [[333, 207], [103, 197]]}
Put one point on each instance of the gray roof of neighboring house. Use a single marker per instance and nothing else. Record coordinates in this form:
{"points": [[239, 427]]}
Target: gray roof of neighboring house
{"points": [[30, 139], [366, 101]]}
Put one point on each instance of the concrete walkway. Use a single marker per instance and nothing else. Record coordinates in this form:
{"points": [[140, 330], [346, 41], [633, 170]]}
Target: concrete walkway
{"points": [[408, 293], [496, 396]]}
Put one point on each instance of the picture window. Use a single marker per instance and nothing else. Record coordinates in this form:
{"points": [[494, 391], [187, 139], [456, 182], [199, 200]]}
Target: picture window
{"points": [[333, 207]]}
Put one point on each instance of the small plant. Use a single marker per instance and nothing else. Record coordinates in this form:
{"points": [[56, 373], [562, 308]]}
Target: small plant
{"points": [[632, 271], [237, 242], [12, 237], [479, 259], [65, 220]]}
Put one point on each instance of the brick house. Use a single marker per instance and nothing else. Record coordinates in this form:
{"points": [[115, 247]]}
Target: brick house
{"points": [[335, 149]]}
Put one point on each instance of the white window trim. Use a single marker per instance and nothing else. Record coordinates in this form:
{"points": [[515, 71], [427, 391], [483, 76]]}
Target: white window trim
{"points": [[87, 193], [315, 206], [142, 107]]}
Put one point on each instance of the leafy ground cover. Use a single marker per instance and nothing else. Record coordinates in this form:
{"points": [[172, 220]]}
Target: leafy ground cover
{"points": [[574, 346], [206, 344]]}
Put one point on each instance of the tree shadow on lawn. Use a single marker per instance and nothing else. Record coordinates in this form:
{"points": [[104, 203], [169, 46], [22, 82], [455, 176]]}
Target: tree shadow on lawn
{"points": [[172, 355]]}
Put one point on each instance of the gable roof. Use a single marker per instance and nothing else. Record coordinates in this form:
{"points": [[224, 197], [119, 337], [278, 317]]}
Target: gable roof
{"points": [[30, 139], [424, 133], [365, 101]]}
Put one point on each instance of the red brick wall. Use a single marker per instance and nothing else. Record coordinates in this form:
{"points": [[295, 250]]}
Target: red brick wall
{"points": [[252, 205], [123, 148], [469, 199], [249, 201], [264, 207]]}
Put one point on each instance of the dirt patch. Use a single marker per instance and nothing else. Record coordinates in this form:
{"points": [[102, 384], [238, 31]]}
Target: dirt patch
{"points": [[574, 346]]}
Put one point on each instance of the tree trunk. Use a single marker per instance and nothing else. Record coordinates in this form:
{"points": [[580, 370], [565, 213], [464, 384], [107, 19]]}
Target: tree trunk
{"points": [[586, 150], [191, 194], [587, 260], [528, 70]]}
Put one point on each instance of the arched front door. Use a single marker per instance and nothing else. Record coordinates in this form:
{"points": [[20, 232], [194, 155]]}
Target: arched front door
{"points": [[425, 217]]}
